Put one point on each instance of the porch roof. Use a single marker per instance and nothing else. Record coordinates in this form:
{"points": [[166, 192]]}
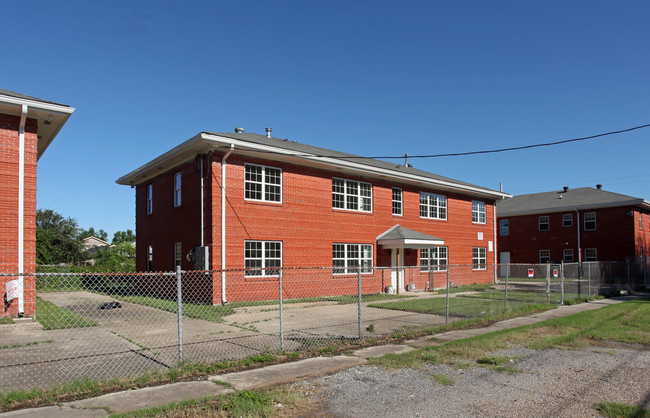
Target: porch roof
{"points": [[401, 237]]}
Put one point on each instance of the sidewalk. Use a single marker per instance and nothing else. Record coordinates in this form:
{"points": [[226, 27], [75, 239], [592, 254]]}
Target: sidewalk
{"points": [[127, 401]]}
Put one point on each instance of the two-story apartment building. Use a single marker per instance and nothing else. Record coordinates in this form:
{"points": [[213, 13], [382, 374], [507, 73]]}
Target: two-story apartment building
{"points": [[574, 225], [258, 203], [27, 127]]}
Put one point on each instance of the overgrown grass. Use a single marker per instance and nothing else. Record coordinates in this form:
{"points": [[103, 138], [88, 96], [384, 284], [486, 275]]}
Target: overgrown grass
{"points": [[52, 316], [619, 410], [6, 321]]}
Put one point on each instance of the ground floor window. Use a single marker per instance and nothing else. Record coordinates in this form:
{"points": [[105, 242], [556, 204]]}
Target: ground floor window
{"points": [[262, 258], [433, 259], [590, 254], [568, 255], [178, 253], [348, 258], [544, 256], [479, 258]]}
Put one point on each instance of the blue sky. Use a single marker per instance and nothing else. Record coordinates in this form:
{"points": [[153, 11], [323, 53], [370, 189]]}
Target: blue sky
{"points": [[365, 77]]}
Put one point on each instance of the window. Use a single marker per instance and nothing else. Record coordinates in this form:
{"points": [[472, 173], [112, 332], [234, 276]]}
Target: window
{"points": [[351, 195], [397, 201], [568, 255], [478, 212], [479, 258], [177, 189], [543, 223], [149, 199], [348, 258], [567, 220], [544, 256], [640, 220], [263, 183], [504, 227], [149, 258], [433, 206], [262, 258], [178, 253], [590, 254], [433, 259], [590, 221]]}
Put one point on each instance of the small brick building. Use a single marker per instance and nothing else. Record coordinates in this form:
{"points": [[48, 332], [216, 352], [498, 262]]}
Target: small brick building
{"points": [[27, 127], [259, 202], [574, 225]]}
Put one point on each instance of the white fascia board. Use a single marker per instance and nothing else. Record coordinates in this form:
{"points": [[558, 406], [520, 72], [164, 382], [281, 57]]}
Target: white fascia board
{"points": [[49, 107], [591, 206], [410, 243]]}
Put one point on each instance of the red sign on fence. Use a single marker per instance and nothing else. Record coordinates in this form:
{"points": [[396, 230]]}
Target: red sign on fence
{"points": [[555, 273], [531, 272]]}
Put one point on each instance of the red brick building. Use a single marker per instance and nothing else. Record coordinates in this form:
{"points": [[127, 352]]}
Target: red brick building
{"points": [[27, 127], [574, 225], [258, 202]]}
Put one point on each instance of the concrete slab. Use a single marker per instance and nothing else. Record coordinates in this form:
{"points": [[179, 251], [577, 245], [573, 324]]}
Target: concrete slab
{"points": [[382, 350]]}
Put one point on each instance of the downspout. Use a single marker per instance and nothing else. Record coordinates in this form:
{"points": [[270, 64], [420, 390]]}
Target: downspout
{"points": [[223, 224], [579, 250], [21, 210], [202, 205], [494, 238]]}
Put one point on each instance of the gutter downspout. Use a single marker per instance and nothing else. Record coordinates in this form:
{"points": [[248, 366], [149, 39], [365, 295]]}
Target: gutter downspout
{"points": [[579, 250], [223, 224], [494, 237], [21, 210], [202, 205]]}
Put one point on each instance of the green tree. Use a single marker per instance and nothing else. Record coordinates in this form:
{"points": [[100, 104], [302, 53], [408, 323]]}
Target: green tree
{"points": [[57, 238], [124, 236], [118, 258], [90, 232]]}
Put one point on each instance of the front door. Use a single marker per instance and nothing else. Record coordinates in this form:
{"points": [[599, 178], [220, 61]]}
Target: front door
{"points": [[397, 270]]}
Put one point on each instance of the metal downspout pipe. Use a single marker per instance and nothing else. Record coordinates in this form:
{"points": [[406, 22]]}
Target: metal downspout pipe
{"points": [[223, 224], [494, 238], [579, 249], [21, 210]]}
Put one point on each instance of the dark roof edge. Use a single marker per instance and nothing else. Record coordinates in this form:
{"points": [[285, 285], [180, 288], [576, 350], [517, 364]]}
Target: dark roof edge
{"points": [[632, 202]]}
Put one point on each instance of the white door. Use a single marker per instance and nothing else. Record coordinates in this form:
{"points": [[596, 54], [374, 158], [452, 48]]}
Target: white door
{"points": [[504, 260], [396, 273]]}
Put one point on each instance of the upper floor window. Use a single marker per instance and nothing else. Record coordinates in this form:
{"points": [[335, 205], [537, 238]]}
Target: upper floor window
{"points": [[351, 195], [478, 212], [590, 221], [567, 220], [397, 201], [177, 189], [349, 258], [568, 255], [178, 253], [433, 206], [262, 258], [479, 258], [504, 227], [433, 259], [590, 254], [640, 220], [149, 199], [263, 183], [544, 256], [543, 223]]}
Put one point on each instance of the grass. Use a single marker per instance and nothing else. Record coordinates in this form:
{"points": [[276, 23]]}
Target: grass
{"points": [[443, 379], [52, 317], [6, 321], [619, 410], [29, 344]]}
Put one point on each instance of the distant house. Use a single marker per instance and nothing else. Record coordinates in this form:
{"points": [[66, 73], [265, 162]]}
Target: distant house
{"points": [[91, 246], [27, 127], [254, 202], [584, 224]]}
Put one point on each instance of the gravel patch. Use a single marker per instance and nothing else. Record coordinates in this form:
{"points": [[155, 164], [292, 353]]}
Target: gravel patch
{"points": [[557, 383]]}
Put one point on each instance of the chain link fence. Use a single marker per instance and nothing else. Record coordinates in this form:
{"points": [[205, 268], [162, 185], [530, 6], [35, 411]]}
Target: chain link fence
{"points": [[104, 325]]}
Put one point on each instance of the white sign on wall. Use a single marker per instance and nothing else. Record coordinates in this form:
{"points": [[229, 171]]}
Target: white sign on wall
{"points": [[12, 289], [490, 246], [480, 236]]}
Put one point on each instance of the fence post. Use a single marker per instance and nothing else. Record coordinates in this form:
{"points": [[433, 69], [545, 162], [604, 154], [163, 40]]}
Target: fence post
{"points": [[281, 314], [359, 302], [505, 300], [447, 302], [179, 301], [562, 283], [548, 283], [589, 282]]}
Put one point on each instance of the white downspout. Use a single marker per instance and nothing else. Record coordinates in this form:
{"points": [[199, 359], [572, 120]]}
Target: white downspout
{"points": [[494, 238], [578, 229], [223, 224], [202, 206], [21, 210]]}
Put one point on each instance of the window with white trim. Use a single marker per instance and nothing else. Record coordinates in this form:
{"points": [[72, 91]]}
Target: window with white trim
{"points": [[262, 183], [433, 259], [397, 201], [178, 181], [149, 258], [178, 253], [262, 258], [568, 255], [348, 258], [543, 223], [149, 199], [590, 254], [504, 227], [478, 212], [544, 256], [479, 258], [433, 206], [567, 220], [351, 195], [590, 221]]}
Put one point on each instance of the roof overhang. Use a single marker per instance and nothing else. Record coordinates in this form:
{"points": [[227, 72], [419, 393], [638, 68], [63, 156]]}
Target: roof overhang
{"points": [[401, 237], [591, 206], [50, 117], [205, 142]]}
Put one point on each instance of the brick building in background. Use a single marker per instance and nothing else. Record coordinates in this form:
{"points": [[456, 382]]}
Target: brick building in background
{"points": [[287, 204], [573, 225], [27, 127]]}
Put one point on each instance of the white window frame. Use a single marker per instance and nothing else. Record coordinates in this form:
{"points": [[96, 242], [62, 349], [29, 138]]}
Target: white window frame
{"points": [[567, 220], [479, 213], [398, 202], [178, 253], [149, 258], [504, 227], [351, 195], [434, 259], [591, 257], [547, 223], [479, 258], [178, 188], [567, 255], [262, 261], [585, 221], [265, 187], [433, 206], [544, 255], [344, 260], [149, 199]]}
